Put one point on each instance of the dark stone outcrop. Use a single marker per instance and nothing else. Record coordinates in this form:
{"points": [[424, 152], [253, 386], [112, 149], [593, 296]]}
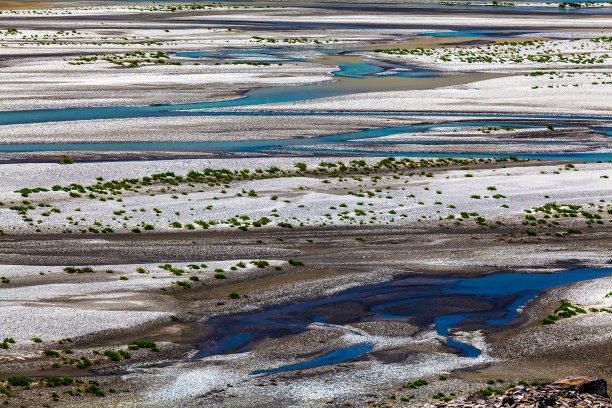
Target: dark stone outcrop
{"points": [[583, 385]]}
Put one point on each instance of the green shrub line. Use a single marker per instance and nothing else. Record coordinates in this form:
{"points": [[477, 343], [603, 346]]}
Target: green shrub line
{"points": [[566, 309]]}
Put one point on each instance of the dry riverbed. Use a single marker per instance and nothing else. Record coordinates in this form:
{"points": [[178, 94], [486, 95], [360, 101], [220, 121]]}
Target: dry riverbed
{"points": [[119, 277]]}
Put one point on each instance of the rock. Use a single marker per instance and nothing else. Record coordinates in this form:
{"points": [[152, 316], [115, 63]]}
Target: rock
{"points": [[583, 385], [575, 392], [514, 395]]}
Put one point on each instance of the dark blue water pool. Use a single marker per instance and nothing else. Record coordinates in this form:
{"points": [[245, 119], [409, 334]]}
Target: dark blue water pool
{"points": [[444, 303]]}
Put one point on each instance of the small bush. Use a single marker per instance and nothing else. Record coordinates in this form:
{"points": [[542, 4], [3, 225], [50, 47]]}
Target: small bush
{"points": [[135, 345], [112, 355], [95, 390], [84, 363], [57, 381], [184, 284], [19, 381]]}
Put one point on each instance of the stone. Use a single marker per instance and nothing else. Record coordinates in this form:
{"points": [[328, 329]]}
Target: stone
{"points": [[583, 385]]}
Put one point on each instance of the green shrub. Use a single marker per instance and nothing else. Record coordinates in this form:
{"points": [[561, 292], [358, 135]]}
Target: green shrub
{"points": [[112, 355], [95, 390], [84, 363], [57, 381], [184, 284], [135, 345], [19, 381], [416, 383]]}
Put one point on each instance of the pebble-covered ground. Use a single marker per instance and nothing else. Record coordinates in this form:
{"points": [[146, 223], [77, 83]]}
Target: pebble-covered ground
{"points": [[115, 268]]}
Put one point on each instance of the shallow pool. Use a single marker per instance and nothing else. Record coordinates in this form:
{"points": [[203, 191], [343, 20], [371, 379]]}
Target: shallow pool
{"points": [[442, 303]]}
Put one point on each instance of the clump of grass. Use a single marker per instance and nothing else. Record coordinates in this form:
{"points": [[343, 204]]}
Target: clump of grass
{"points": [[6, 342], [565, 310], [112, 355], [293, 262], [442, 396], [135, 345], [95, 390], [184, 284], [19, 381], [84, 363], [72, 269], [58, 381], [416, 383]]}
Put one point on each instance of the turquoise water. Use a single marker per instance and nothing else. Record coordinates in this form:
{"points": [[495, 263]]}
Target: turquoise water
{"points": [[587, 157], [261, 96], [302, 144], [363, 71], [473, 33], [446, 303]]}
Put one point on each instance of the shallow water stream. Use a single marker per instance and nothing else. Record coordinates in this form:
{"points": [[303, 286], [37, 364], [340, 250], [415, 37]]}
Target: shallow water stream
{"points": [[445, 304]]}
